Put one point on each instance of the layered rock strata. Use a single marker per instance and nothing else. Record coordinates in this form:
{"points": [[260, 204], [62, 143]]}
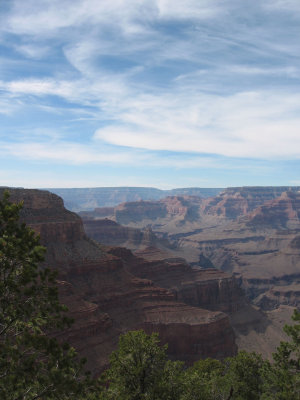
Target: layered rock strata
{"points": [[107, 299], [79, 199], [282, 212], [250, 232], [209, 288], [108, 232], [235, 202]]}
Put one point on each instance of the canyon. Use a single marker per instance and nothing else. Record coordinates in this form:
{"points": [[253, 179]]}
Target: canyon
{"points": [[109, 290], [212, 275], [251, 233], [86, 199]]}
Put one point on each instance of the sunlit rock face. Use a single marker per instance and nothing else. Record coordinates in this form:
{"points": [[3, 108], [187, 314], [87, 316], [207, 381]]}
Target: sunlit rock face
{"points": [[282, 212], [235, 202]]}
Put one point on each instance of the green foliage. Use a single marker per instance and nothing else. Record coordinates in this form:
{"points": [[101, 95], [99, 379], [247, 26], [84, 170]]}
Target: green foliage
{"points": [[237, 378], [205, 380], [282, 380], [139, 369], [245, 374], [33, 365]]}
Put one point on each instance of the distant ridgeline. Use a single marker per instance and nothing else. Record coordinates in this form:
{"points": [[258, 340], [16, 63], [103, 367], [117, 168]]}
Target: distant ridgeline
{"points": [[85, 199]]}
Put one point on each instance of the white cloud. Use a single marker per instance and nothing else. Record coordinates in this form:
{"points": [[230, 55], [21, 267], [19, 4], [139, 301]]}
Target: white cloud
{"points": [[46, 17], [258, 125], [83, 91], [55, 150], [289, 71], [189, 9], [66, 152], [145, 113]]}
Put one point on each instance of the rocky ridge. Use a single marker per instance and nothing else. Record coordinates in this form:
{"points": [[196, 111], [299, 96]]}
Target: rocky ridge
{"points": [[235, 202], [87, 199]]}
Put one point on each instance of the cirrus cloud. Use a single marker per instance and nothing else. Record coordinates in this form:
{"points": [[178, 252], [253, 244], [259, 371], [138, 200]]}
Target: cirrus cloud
{"points": [[156, 83]]}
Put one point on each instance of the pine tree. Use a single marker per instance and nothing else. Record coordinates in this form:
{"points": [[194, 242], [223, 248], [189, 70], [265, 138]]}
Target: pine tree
{"points": [[33, 364]]}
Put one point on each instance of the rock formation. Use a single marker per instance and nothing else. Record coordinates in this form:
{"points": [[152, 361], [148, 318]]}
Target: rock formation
{"points": [[282, 212], [87, 199], [107, 298], [110, 233], [235, 202], [250, 232], [209, 288]]}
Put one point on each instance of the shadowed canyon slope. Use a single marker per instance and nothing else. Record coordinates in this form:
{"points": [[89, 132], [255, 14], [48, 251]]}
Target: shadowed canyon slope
{"points": [[110, 291]]}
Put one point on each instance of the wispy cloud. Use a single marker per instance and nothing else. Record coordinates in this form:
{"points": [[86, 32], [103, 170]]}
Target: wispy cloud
{"points": [[251, 124], [65, 152], [124, 82], [283, 5]]}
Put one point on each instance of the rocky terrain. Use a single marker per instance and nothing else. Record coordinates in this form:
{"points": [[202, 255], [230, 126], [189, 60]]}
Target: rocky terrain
{"points": [[235, 202], [111, 233], [246, 231], [87, 199], [252, 233], [110, 291]]}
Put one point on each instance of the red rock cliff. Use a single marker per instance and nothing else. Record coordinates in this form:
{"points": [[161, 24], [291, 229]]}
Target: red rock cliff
{"points": [[235, 202]]}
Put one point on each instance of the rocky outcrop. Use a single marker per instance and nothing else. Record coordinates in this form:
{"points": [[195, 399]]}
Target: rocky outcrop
{"points": [[183, 206], [196, 337], [97, 213], [110, 233], [179, 208], [282, 212], [279, 295], [108, 299], [235, 202], [46, 214], [139, 210], [206, 288]]}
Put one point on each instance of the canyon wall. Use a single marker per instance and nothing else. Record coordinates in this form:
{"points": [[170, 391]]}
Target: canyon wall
{"points": [[252, 232], [107, 298], [83, 199], [234, 202]]}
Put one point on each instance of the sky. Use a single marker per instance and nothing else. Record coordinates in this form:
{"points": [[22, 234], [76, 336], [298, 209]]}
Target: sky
{"points": [[161, 93]]}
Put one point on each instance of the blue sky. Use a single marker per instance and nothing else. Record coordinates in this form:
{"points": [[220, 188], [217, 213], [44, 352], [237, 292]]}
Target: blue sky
{"points": [[163, 93]]}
